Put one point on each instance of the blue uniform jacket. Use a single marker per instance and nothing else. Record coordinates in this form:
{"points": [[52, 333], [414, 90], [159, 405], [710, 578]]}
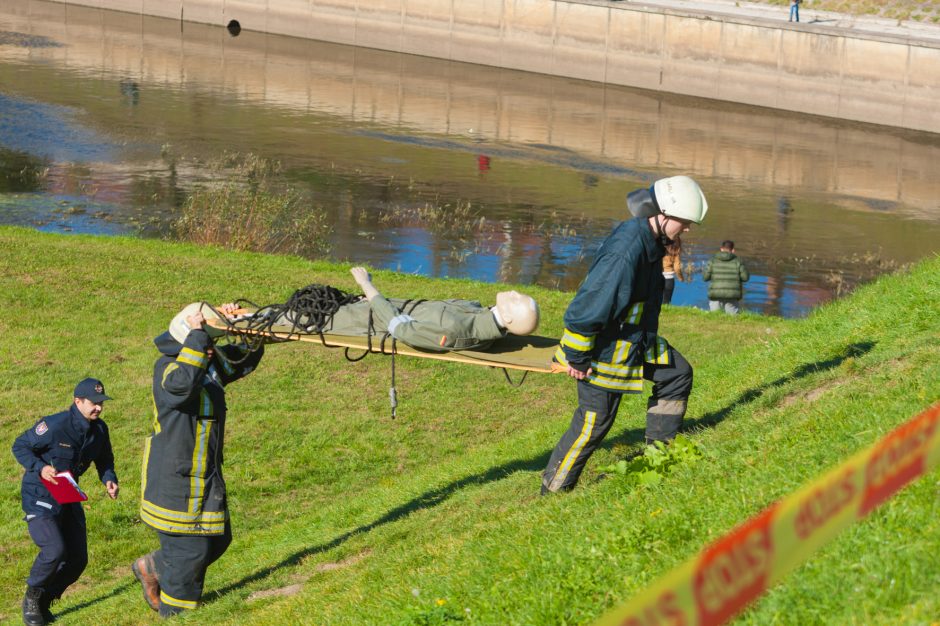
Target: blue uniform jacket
{"points": [[68, 442], [612, 323]]}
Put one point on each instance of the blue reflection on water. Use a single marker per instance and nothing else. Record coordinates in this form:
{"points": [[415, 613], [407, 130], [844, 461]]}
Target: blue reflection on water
{"points": [[48, 131]]}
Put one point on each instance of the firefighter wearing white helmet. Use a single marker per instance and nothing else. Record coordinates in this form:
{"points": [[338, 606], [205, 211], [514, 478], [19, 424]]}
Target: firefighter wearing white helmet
{"points": [[611, 341]]}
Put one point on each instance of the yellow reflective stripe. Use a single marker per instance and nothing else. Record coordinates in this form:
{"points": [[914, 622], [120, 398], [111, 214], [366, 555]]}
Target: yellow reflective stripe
{"points": [[658, 354], [576, 447], [200, 528], [156, 418], [560, 356], [183, 604], [628, 371], [634, 314], [143, 469], [205, 400], [199, 516], [621, 351], [197, 481], [618, 384], [573, 340], [170, 367], [192, 357]]}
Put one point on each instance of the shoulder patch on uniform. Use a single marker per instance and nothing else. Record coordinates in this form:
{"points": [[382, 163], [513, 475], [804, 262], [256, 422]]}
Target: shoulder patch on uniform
{"points": [[42, 428]]}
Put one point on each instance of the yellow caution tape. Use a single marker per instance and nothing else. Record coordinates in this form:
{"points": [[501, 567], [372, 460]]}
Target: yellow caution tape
{"points": [[736, 569]]}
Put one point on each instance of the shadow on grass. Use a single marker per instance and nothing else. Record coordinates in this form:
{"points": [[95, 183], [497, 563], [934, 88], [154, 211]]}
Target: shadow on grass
{"points": [[436, 496], [711, 419], [426, 500], [84, 605]]}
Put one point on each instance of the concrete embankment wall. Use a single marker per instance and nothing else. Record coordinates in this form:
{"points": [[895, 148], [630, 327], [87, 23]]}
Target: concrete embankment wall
{"points": [[816, 70]]}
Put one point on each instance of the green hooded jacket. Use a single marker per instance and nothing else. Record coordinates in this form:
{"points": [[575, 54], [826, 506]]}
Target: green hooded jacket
{"points": [[727, 275]]}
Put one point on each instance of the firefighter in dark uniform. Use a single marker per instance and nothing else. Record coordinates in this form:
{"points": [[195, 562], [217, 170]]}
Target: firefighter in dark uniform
{"points": [[68, 441], [611, 341], [183, 489]]}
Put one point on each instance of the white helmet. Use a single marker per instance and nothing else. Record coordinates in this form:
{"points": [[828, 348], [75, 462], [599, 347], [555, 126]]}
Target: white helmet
{"points": [[681, 197], [179, 327], [519, 313]]}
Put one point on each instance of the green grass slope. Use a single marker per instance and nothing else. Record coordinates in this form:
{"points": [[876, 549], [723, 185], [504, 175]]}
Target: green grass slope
{"points": [[344, 516]]}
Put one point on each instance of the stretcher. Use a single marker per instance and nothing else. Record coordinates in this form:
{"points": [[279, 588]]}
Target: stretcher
{"points": [[531, 353]]}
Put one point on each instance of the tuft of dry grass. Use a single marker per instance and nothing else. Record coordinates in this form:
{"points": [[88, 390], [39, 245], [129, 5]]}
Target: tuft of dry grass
{"points": [[250, 209]]}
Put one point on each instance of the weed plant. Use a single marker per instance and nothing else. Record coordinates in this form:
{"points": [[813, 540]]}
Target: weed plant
{"points": [[249, 208], [343, 516]]}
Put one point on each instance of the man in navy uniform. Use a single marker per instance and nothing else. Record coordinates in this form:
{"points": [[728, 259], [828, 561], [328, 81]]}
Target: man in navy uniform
{"points": [[68, 441]]}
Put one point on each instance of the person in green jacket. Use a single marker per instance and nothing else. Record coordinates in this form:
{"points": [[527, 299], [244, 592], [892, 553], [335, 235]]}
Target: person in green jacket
{"points": [[727, 275], [434, 325]]}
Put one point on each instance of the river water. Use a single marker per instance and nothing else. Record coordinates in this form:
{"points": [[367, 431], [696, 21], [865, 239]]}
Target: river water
{"points": [[107, 119]]}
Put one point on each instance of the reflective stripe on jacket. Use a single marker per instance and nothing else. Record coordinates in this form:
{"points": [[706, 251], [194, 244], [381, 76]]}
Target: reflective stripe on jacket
{"points": [[182, 484], [612, 321]]}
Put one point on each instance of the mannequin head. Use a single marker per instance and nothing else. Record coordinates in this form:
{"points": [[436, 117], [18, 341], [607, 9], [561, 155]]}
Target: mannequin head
{"points": [[518, 312]]}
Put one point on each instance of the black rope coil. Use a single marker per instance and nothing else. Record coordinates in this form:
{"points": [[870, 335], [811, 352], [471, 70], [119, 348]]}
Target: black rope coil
{"points": [[309, 310]]}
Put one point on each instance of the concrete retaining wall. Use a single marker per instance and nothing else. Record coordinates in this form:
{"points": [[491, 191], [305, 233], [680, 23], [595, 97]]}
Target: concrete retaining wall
{"points": [[748, 60]]}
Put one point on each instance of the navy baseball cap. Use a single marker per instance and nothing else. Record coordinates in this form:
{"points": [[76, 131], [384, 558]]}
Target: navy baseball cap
{"points": [[91, 389]]}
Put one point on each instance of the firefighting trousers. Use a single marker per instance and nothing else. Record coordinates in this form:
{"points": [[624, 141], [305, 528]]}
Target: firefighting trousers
{"points": [[182, 561], [597, 409]]}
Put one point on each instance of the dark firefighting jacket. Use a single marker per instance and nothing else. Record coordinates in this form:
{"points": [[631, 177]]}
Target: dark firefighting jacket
{"points": [[612, 323], [183, 488], [68, 442]]}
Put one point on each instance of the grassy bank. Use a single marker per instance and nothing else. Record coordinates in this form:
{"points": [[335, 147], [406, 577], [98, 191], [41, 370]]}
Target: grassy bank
{"points": [[343, 516]]}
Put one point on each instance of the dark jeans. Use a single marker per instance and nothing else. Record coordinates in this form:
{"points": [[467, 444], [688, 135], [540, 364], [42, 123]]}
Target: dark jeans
{"points": [[595, 415], [182, 561], [63, 549]]}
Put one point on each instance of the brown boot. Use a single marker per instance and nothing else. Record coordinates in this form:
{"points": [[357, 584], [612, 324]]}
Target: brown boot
{"points": [[146, 572]]}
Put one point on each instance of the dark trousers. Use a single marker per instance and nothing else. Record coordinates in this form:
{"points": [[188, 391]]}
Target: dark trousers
{"points": [[595, 415], [182, 561], [63, 549], [668, 288]]}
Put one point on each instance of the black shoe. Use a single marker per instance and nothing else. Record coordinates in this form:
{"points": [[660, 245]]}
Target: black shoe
{"points": [[45, 601], [32, 614]]}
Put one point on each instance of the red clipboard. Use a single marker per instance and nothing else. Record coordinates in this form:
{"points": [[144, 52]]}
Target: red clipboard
{"points": [[66, 490]]}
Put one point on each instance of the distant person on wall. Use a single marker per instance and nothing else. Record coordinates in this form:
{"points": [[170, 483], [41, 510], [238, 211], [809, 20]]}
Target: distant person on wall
{"points": [[794, 10], [611, 341], [672, 269], [727, 275], [69, 441]]}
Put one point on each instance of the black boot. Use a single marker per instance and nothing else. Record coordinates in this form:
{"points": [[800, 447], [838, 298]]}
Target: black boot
{"points": [[32, 614], [45, 601]]}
